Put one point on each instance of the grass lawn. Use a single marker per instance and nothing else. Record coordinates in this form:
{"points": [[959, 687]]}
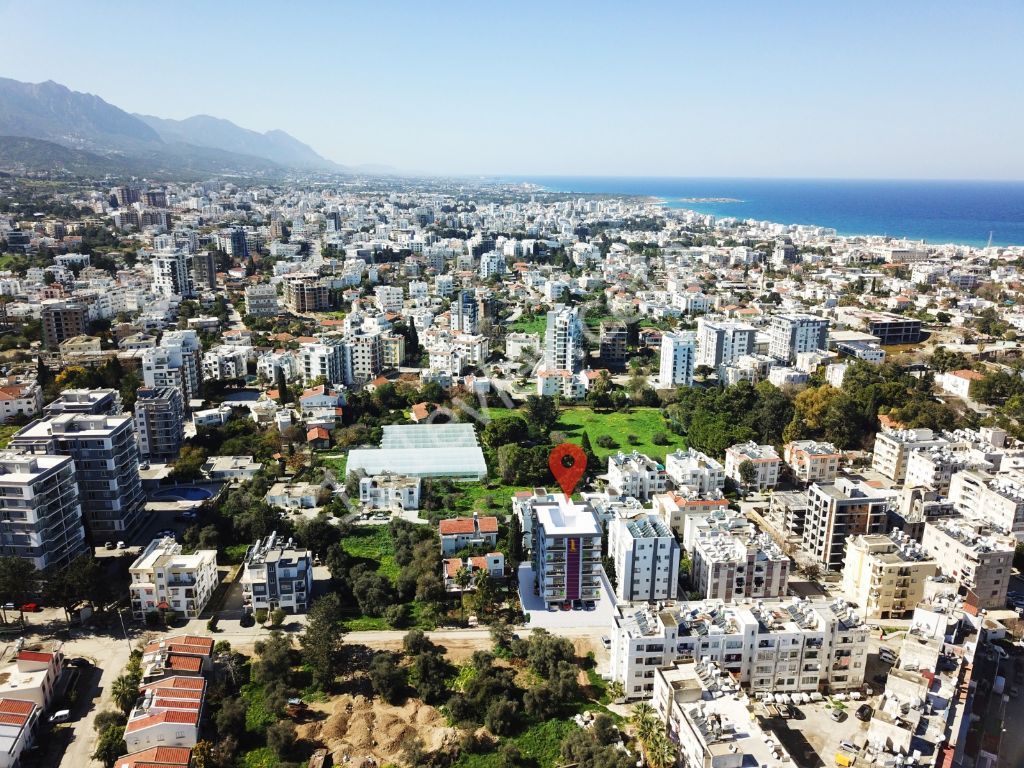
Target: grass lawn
{"points": [[542, 742], [535, 324], [472, 495], [6, 433], [235, 554], [642, 422], [374, 542], [263, 757], [257, 718]]}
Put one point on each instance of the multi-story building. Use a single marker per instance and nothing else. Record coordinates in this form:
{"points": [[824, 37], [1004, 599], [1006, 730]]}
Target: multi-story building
{"points": [[40, 513], [697, 471], [678, 352], [98, 402], [465, 313], [177, 362], [636, 475], [167, 713], [163, 578], [389, 492], [327, 359], [884, 575], [934, 467], [203, 271], [106, 457], [63, 320], [365, 357], [566, 554], [765, 459], [721, 342], [226, 361], [977, 557], [159, 423], [677, 507], [18, 401], [893, 449], [646, 557], [780, 645], [813, 461], [171, 274], [888, 328], [389, 298], [793, 334], [277, 574], [32, 676], [728, 567], [261, 300], [614, 342], [836, 511], [306, 293], [19, 721], [562, 339], [995, 499], [392, 350]]}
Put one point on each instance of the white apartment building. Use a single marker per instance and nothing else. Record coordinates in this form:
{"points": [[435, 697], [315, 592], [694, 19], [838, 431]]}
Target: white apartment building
{"points": [[562, 339], [636, 475], [40, 513], [813, 461], [728, 567], [327, 359], [678, 353], [765, 459], [646, 557], [884, 575], [389, 492], [566, 554], [165, 579], [277, 574], [389, 298], [720, 342], [175, 363], [781, 645], [690, 468], [792, 334], [934, 467], [994, 499], [160, 423], [978, 558], [836, 511], [366, 357], [893, 449], [171, 275], [676, 507], [226, 361], [261, 300]]}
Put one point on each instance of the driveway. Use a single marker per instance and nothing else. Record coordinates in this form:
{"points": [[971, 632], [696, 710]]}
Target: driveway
{"points": [[560, 622]]}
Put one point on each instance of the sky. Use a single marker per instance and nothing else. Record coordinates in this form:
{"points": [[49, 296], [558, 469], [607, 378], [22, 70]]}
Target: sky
{"points": [[797, 88]]}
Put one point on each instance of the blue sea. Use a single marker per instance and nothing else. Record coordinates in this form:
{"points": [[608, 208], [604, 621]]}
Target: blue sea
{"points": [[934, 211]]}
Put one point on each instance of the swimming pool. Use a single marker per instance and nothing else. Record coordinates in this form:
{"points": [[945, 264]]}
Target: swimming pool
{"points": [[183, 493]]}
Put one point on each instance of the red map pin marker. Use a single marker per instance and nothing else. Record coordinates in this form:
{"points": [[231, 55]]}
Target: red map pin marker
{"points": [[568, 462]]}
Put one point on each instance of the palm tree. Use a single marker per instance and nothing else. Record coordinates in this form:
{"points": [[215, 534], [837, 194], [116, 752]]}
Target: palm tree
{"points": [[125, 692], [462, 578], [644, 721], [661, 752]]}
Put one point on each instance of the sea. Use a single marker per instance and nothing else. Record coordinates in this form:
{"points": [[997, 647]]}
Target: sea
{"points": [[967, 212]]}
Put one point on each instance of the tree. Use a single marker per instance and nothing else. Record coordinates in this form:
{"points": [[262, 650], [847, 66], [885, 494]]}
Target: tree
{"points": [[499, 432], [188, 466], [281, 737], [321, 642], [274, 661], [283, 397], [125, 692], [748, 473], [644, 720], [386, 677], [541, 415], [110, 745], [231, 717], [18, 581], [502, 717]]}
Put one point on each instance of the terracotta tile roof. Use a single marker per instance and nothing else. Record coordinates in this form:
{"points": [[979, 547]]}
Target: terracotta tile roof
{"points": [[184, 663], [13, 392], [488, 524], [16, 706], [195, 644], [34, 656], [456, 525], [178, 683], [451, 566], [318, 433], [967, 373], [168, 716]]}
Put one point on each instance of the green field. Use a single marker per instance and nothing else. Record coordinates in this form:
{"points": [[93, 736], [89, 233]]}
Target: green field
{"points": [[6, 433], [472, 496], [542, 742], [374, 542], [642, 422], [536, 324]]}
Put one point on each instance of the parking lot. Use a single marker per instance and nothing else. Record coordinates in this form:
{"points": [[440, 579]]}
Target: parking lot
{"points": [[812, 737], [602, 616]]}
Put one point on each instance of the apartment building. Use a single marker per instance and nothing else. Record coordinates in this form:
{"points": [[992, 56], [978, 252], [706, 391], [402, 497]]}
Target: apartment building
{"points": [[203, 271], [63, 320], [789, 335], [177, 362], [465, 313], [226, 361], [277, 574], [562, 339], [159, 423], [978, 558], [165, 579], [893, 449], [95, 401], [678, 356], [836, 511], [727, 566], [813, 461], [884, 575], [566, 554], [171, 274], [692, 469], [997, 500], [167, 713], [676, 507], [389, 492], [106, 456], [20, 400], [721, 342], [646, 557], [261, 301], [781, 645], [306, 293], [765, 459], [32, 676], [934, 467], [636, 475], [614, 342]]}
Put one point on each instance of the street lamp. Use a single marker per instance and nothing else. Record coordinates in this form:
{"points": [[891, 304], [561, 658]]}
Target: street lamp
{"points": [[125, 631]]}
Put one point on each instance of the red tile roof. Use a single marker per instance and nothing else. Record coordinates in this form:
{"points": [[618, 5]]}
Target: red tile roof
{"points": [[168, 716], [488, 524], [34, 656], [456, 525], [16, 706], [194, 644]]}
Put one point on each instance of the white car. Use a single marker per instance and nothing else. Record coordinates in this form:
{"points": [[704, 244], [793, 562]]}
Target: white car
{"points": [[61, 716]]}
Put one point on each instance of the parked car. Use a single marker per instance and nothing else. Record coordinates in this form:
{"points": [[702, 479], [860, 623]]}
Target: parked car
{"points": [[849, 746], [577, 605], [606, 641], [837, 715], [78, 661], [61, 716], [864, 712], [121, 545], [109, 545], [31, 608], [589, 605]]}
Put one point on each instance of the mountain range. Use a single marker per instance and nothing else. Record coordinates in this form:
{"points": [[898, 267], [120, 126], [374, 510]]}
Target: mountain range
{"points": [[91, 133]]}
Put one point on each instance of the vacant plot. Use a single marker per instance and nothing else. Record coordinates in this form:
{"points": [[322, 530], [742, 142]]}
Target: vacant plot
{"points": [[373, 544], [644, 423]]}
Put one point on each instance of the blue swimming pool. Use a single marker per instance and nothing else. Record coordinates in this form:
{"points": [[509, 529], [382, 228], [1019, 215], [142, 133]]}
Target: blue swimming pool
{"points": [[183, 493]]}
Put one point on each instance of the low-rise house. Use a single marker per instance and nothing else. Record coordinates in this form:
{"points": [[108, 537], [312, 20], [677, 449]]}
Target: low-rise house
{"points": [[294, 495], [32, 676], [167, 714], [461, 532], [18, 721], [318, 438], [238, 468], [277, 574], [157, 757], [20, 401], [389, 492], [165, 579], [180, 655], [493, 564]]}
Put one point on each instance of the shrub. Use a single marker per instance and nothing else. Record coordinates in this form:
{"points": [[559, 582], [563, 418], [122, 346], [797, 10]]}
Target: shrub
{"points": [[281, 737], [277, 617], [211, 625], [247, 620], [261, 616], [659, 438], [632, 439], [606, 441]]}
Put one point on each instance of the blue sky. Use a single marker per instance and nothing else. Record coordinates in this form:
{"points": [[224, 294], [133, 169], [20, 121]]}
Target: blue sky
{"points": [[776, 89]]}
